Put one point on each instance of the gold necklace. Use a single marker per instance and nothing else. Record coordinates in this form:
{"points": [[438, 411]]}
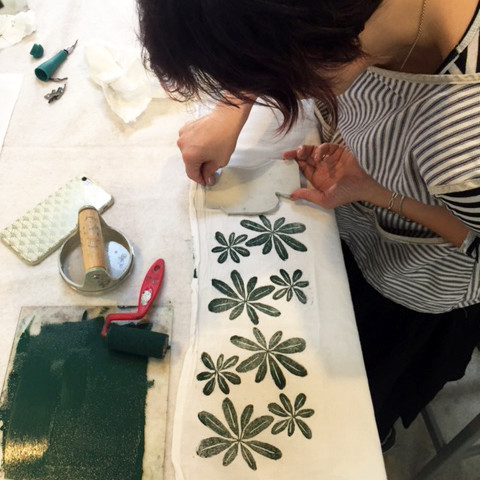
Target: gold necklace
{"points": [[419, 32]]}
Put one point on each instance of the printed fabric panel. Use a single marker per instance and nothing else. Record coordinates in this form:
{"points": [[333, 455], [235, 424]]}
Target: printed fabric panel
{"points": [[273, 385]]}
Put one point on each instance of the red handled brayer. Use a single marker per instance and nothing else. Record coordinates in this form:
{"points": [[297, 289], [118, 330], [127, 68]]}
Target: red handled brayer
{"points": [[136, 340]]}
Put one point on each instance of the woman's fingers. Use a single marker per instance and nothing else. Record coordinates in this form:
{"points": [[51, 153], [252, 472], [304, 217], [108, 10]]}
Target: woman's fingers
{"points": [[303, 152], [290, 155], [313, 154], [208, 170], [307, 170], [308, 194]]}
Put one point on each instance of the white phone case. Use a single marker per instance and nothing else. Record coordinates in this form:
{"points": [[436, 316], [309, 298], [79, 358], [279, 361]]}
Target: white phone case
{"points": [[43, 229]]}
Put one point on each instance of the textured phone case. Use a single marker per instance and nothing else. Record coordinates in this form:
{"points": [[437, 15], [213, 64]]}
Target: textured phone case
{"points": [[41, 230]]}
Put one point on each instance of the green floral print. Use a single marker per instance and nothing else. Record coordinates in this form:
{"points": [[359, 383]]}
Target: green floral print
{"points": [[292, 415], [230, 247], [242, 298], [218, 373], [237, 436], [277, 235], [271, 357]]}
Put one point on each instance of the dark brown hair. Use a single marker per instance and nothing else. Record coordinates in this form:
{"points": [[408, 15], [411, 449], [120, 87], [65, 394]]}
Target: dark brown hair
{"points": [[274, 49]]}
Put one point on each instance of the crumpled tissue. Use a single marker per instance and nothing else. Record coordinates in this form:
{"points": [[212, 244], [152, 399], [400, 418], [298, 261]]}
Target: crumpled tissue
{"points": [[128, 87], [14, 27]]}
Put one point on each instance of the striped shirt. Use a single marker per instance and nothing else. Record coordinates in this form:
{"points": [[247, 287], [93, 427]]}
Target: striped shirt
{"points": [[418, 135]]}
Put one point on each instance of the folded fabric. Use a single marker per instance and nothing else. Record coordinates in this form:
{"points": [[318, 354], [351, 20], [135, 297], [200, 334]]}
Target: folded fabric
{"points": [[128, 87], [13, 28]]}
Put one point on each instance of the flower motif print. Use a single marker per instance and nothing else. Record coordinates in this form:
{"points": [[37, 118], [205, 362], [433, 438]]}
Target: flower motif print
{"points": [[290, 286], [272, 356], [230, 247], [242, 298], [236, 436], [278, 235], [292, 415], [218, 373]]}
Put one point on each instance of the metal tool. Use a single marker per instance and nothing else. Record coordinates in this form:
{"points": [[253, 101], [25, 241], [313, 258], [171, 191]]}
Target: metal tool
{"points": [[55, 94], [96, 258], [45, 71]]}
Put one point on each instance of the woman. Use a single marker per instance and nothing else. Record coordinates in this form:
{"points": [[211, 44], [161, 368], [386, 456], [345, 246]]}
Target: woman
{"points": [[400, 81]]}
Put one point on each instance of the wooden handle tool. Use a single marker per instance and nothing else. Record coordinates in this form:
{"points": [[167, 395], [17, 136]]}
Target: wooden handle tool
{"points": [[91, 238], [106, 253]]}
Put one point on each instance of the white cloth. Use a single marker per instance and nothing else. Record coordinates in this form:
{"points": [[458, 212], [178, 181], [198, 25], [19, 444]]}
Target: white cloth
{"points": [[13, 28], [315, 367], [127, 85]]}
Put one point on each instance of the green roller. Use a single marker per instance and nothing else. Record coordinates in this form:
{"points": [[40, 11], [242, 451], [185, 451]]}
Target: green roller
{"points": [[137, 340]]}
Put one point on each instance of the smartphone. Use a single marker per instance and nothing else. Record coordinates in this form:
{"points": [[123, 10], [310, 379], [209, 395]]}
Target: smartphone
{"points": [[41, 230]]}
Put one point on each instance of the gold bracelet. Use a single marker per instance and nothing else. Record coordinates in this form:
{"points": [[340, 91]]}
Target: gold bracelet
{"points": [[392, 200]]}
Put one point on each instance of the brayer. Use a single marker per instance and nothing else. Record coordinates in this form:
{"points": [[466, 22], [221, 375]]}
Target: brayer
{"points": [[47, 69], [137, 340]]}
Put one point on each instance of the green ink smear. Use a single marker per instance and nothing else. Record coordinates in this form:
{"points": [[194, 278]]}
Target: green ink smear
{"points": [[74, 409]]}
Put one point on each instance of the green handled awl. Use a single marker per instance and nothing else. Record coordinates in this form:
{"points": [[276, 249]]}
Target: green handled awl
{"points": [[46, 69]]}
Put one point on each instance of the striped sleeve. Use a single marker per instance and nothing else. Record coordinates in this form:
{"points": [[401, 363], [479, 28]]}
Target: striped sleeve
{"points": [[465, 205], [448, 157], [447, 144]]}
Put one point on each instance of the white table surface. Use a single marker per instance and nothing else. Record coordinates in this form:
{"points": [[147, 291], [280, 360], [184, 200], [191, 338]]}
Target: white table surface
{"points": [[139, 164]]}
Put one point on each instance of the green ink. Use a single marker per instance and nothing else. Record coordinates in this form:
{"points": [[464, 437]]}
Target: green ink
{"points": [[230, 247], [244, 298], [218, 373], [289, 286], [272, 356], [238, 433], [74, 409], [275, 235], [291, 415]]}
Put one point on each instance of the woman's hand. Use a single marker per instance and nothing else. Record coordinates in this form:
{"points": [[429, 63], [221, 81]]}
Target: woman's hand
{"points": [[338, 179], [208, 143], [335, 174]]}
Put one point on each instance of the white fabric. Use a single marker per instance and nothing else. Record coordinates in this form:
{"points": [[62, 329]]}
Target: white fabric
{"points": [[335, 386], [127, 86], [13, 28]]}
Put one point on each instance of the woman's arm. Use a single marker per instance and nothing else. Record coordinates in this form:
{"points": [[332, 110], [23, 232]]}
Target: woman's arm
{"points": [[435, 217], [338, 179], [207, 144]]}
